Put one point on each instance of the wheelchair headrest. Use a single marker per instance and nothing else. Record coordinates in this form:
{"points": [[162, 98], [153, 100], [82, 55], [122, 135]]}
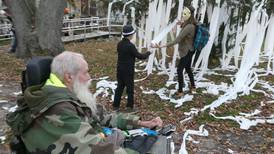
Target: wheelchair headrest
{"points": [[37, 71]]}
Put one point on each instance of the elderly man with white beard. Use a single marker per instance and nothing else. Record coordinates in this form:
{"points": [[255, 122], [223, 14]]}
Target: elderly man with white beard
{"points": [[64, 116]]}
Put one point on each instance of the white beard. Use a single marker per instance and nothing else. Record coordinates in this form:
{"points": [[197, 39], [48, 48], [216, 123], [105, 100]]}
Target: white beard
{"points": [[84, 95]]}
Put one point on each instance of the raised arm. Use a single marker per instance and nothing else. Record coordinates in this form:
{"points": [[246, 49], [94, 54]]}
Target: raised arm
{"points": [[183, 33], [137, 54]]}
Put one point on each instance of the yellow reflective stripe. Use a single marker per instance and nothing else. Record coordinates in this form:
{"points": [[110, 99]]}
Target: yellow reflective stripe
{"points": [[53, 80]]}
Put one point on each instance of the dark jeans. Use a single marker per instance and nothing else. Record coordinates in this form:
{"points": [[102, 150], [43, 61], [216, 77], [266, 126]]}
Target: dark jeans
{"points": [[198, 52], [124, 80], [13, 42], [185, 63]]}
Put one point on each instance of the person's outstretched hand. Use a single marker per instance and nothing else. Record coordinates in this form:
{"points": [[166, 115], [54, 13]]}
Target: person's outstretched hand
{"points": [[156, 122], [148, 53], [155, 45]]}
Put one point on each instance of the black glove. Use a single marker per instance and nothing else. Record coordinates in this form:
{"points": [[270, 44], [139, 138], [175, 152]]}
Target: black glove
{"points": [[148, 53]]}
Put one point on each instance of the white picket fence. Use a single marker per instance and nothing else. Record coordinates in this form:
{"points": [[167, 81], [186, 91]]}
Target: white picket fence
{"points": [[5, 32], [84, 28], [77, 29]]}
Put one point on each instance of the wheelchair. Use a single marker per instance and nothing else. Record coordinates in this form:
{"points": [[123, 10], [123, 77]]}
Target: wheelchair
{"points": [[37, 72]]}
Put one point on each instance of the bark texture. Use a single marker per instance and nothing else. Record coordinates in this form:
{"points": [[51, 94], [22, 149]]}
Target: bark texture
{"points": [[38, 29], [49, 25]]}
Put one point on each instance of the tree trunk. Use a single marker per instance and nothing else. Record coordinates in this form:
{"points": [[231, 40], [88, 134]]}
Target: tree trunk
{"points": [[49, 25], [22, 12], [38, 29]]}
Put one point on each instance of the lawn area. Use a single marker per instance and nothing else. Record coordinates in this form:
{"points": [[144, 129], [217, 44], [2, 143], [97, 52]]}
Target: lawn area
{"points": [[101, 55]]}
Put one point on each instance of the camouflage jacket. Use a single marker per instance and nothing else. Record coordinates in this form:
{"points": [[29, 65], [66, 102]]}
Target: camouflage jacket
{"points": [[52, 120]]}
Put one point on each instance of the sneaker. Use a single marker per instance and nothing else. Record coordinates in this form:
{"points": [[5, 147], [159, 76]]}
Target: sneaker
{"points": [[12, 50]]}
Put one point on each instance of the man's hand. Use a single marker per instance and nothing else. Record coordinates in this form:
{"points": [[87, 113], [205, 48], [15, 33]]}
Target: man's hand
{"points": [[156, 122]]}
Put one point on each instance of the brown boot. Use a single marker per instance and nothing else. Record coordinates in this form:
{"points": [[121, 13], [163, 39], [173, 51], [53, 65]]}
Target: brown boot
{"points": [[179, 94], [192, 90]]}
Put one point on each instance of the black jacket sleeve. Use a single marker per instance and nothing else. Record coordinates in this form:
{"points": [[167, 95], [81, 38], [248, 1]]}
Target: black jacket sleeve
{"points": [[138, 55]]}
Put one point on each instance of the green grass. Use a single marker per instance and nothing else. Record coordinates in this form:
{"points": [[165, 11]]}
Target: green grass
{"points": [[204, 117], [11, 67], [5, 42], [208, 99], [231, 123], [219, 79], [187, 106], [252, 97]]}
